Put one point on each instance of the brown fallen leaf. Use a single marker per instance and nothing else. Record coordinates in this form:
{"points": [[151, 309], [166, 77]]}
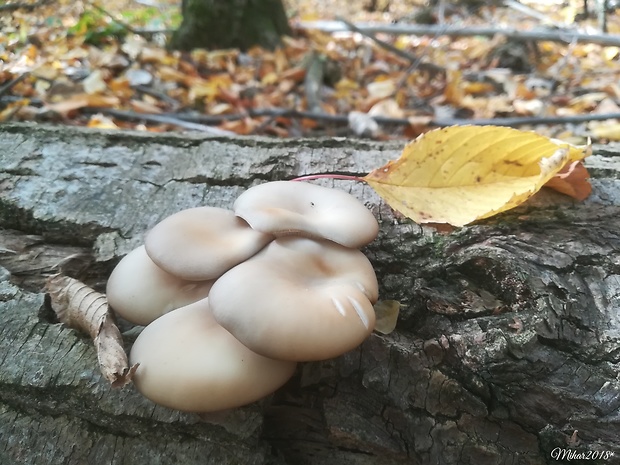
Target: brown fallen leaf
{"points": [[83, 100], [572, 180], [82, 308]]}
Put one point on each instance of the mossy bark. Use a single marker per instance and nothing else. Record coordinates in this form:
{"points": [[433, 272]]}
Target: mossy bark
{"points": [[218, 24], [507, 349]]}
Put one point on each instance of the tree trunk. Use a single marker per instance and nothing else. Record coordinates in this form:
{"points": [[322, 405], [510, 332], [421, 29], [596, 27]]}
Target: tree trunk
{"points": [[216, 24], [506, 351]]}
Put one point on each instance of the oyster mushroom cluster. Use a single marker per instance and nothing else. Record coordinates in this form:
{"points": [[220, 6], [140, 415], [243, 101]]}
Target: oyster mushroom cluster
{"points": [[276, 281]]}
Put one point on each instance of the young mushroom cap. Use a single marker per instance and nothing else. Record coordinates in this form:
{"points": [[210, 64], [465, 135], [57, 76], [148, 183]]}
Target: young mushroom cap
{"points": [[298, 299], [298, 208], [189, 362], [202, 243], [140, 291]]}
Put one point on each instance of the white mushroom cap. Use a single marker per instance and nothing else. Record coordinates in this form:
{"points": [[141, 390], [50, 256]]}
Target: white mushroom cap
{"points": [[189, 362], [140, 291], [202, 243], [298, 208], [298, 299]]}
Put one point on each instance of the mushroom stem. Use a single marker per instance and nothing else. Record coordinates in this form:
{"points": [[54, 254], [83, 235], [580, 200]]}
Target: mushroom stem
{"points": [[344, 177]]}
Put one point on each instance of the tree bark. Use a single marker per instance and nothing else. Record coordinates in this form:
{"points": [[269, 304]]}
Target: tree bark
{"points": [[506, 351], [230, 24]]}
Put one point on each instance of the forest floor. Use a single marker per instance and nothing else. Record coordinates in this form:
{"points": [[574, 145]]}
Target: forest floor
{"points": [[101, 65]]}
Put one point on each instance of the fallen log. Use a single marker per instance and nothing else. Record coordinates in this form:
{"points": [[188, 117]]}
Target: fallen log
{"points": [[507, 349]]}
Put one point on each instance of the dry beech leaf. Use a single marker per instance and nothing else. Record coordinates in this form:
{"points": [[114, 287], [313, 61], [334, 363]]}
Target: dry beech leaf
{"points": [[386, 312], [80, 307], [572, 180], [459, 174]]}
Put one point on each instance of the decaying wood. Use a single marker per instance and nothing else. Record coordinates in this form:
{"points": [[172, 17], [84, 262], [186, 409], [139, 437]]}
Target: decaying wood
{"points": [[506, 348]]}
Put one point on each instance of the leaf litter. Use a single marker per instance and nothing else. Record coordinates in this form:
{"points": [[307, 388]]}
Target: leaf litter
{"points": [[80, 64]]}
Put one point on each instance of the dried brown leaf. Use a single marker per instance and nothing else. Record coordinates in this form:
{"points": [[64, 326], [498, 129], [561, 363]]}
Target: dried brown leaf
{"points": [[81, 307], [572, 180]]}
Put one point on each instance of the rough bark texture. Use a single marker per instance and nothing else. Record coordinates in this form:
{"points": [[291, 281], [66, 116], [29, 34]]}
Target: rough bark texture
{"points": [[230, 24], [507, 344]]}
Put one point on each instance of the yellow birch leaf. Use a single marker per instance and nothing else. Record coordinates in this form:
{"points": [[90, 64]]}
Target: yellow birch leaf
{"points": [[459, 174]]}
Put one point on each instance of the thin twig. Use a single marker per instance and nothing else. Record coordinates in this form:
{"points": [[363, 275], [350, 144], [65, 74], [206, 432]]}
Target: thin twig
{"points": [[9, 85], [257, 113], [532, 13], [158, 94], [117, 21], [23, 6], [35, 102], [413, 59], [142, 32], [403, 79], [525, 120], [199, 122], [425, 29], [343, 119], [396, 51], [343, 177], [159, 119]]}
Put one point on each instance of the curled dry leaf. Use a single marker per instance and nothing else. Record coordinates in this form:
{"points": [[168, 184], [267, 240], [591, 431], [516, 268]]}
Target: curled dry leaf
{"points": [[572, 180], [80, 307], [386, 312]]}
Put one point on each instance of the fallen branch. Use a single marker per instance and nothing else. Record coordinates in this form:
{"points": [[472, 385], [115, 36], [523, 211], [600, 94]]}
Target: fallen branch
{"points": [[532, 13], [343, 119], [158, 94], [9, 85], [522, 120], [169, 118], [147, 33], [117, 21], [424, 29], [23, 6], [413, 59], [202, 120]]}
